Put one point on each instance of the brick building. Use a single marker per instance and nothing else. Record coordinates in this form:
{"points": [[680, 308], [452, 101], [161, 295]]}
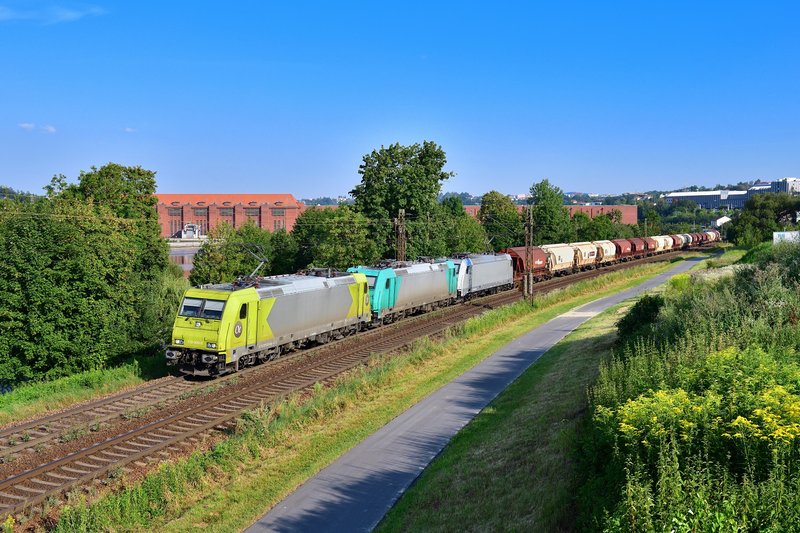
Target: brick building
{"points": [[267, 211], [630, 213]]}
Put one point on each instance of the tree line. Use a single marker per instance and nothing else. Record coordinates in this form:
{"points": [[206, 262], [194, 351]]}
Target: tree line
{"points": [[396, 178]]}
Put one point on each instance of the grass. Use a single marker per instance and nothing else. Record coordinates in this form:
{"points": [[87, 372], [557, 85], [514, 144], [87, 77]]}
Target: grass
{"points": [[36, 398], [511, 468], [279, 446]]}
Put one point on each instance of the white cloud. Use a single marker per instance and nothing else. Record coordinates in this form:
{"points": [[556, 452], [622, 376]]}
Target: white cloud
{"points": [[129, 130], [50, 14], [27, 126], [47, 128]]}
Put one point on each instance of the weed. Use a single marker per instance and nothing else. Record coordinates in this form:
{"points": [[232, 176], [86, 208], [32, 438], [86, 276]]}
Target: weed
{"points": [[136, 412], [94, 426], [25, 437], [72, 434]]}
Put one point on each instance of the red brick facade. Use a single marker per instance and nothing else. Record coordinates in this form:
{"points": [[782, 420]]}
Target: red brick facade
{"points": [[629, 212], [268, 211]]}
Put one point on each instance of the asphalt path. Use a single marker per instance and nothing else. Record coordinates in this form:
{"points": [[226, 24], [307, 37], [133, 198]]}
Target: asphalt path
{"points": [[356, 491]]}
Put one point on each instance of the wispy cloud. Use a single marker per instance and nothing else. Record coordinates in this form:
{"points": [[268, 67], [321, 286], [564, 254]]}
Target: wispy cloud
{"points": [[27, 126], [129, 130], [47, 128], [50, 14]]}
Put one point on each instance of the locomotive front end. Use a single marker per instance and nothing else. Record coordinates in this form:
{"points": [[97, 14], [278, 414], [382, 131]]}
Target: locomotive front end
{"points": [[197, 343]]}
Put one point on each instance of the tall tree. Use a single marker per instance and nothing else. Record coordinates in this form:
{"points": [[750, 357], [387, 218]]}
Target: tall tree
{"points": [[501, 221], [551, 221], [346, 241], [399, 177]]}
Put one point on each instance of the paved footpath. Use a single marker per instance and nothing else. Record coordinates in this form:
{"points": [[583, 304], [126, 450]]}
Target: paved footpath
{"points": [[355, 492]]}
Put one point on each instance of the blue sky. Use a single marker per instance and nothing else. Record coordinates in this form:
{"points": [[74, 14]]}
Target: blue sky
{"points": [[257, 96]]}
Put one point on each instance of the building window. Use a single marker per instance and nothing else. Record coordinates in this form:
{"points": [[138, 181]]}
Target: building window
{"points": [[226, 211], [252, 212], [278, 212], [278, 224], [175, 211], [201, 211]]}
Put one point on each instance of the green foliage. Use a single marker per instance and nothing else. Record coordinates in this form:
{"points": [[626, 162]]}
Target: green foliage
{"points": [[346, 240], [69, 290], [701, 411], [400, 177], [229, 253], [762, 215], [637, 321], [501, 221], [551, 222]]}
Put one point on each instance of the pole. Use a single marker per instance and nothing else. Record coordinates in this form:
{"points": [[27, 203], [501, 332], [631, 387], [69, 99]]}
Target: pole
{"points": [[527, 280], [400, 226]]}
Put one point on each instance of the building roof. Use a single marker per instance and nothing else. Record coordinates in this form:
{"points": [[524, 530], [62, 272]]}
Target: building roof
{"points": [[692, 193], [232, 199]]}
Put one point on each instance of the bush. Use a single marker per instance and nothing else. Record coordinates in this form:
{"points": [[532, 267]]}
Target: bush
{"points": [[696, 422], [640, 317]]}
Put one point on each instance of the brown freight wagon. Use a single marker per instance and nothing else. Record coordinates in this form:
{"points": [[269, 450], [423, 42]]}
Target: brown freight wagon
{"points": [[652, 245], [677, 242], [539, 266], [638, 247], [624, 249]]}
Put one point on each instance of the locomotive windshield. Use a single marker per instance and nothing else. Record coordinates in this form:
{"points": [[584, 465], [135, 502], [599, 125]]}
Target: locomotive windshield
{"points": [[201, 308]]}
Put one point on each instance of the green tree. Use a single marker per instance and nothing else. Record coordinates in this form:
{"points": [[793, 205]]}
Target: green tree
{"points": [[762, 215], [282, 253], [347, 240], [70, 296], [501, 221], [399, 177], [229, 253], [309, 231], [551, 221]]}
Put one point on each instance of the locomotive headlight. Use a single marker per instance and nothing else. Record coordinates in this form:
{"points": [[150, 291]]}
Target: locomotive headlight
{"points": [[178, 341], [211, 345]]}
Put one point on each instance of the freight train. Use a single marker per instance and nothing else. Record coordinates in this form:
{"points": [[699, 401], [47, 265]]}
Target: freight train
{"points": [[224, 327]]}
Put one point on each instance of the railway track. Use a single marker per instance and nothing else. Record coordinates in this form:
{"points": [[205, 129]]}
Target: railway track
{"points": [[268, 383]]}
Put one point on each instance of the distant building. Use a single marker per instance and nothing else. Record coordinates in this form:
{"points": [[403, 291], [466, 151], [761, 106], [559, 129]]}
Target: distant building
{"points": [[630, 213], [267, 211], [734, 199], [720, 221]]}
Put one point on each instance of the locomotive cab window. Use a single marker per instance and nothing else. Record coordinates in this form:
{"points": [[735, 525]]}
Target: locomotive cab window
{"points": [[243, 311], [200, 308], [191, 307]]}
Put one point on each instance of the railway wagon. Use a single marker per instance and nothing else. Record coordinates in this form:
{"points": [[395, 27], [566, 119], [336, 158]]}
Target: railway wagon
{"points": [[560, 258], [677, 242], [663, 243], [539, 267], [606, 252], [483, 273], [638, 247], [585, 254], [687, 240], [402, 288], [221, 328], [650, 245], [624, 249]]}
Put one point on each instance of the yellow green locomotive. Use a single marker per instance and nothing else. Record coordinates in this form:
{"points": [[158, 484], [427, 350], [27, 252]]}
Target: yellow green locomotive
{"points": [[222, 328]]}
